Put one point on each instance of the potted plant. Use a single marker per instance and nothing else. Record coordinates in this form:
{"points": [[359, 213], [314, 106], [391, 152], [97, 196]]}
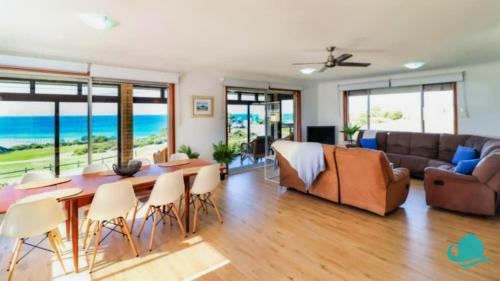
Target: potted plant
{"points": [[223, 154], [188, 151], [349, 131]]}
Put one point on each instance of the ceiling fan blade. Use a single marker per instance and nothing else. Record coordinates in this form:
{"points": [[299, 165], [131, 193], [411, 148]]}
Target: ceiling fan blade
{"points": [[306, 63], [360, 64], [343, 57], [323, 69]]}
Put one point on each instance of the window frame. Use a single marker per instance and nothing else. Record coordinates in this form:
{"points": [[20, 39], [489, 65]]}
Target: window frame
{"points": [[345, 108], [32, 96], [163, 99]]}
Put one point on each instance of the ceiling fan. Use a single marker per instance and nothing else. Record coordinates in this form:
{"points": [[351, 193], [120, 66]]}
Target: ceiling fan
{"points": [[332, 61]]}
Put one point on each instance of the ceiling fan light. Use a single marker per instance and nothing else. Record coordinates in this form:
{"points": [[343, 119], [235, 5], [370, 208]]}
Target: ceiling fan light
{"points": [[414, 64], [100, 22], [307, 70]]}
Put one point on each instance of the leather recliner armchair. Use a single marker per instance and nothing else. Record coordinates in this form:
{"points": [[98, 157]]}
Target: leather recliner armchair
{"points": [[367, 180], [475, 194]]}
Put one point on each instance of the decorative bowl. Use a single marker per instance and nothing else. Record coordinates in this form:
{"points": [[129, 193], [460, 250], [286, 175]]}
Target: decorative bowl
{"points": [[128, 170]]}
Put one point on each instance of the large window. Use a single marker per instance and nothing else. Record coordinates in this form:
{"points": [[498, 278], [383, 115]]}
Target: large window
{"points": [[26, 138], [428, 108], [44, 126], [150, 121], [105, 132]]}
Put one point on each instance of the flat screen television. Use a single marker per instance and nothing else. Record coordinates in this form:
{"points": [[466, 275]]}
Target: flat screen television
{"points": [[321, 134]]}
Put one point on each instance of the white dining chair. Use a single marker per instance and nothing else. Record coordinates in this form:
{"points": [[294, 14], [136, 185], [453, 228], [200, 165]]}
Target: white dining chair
{"points": [[36, 176], [92, 169], [179, 156], [95, 168], [167, 190], [111, 204], [206, 181], [30, 219]]}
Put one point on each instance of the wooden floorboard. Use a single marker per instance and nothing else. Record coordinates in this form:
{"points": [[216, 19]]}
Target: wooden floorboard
{"points": [[270, 233]]}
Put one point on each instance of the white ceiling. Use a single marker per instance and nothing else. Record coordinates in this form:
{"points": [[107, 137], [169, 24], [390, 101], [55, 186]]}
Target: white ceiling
{"points": [[256, 36]]}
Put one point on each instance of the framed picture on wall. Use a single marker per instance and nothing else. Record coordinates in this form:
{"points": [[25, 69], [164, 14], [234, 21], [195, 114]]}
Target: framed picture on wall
{"points": [[203, 106]]}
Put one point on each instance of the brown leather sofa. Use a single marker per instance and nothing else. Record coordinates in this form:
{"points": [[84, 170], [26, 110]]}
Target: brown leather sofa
{"points": [[417, 151], [326, 184], [367, 180], [380, 191], [429, 156]]}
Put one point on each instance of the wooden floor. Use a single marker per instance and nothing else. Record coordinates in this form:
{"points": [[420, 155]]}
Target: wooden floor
{"points": [[270, 233]]}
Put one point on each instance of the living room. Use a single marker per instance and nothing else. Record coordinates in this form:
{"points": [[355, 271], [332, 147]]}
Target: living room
{"points": [[264, 140]]}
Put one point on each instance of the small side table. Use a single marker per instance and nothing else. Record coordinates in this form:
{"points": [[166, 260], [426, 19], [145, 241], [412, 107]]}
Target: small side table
{"points": [[271, 170]]}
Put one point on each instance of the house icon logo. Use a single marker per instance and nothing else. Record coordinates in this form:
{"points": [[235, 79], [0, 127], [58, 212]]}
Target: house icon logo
{"points": [[469, 251]]}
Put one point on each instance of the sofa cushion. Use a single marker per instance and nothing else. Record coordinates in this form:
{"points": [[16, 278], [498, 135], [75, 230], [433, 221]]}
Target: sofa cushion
{"points": [[464, 153], [398, 142], [425, 145], [416, 164], [448, 145], [394, 158], [488, 170], [476, 142], [369, 143], [381, 140], [440, 165], [466, 166], [489, 146]]}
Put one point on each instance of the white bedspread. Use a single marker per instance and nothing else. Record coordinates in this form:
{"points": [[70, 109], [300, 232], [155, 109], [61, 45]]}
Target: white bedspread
{"points": [[305, 157]]}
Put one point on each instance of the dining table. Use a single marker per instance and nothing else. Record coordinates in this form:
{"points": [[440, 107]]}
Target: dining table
{"points": [[142, 181]]}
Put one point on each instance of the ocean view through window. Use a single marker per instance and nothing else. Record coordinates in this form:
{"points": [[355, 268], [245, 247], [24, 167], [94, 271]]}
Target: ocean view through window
{"points": [[150, 121], [28, 127]]}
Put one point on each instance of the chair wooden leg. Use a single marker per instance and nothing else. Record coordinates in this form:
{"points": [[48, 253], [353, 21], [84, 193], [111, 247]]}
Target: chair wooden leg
{"points": [[180, 203], [129, 235], [94, 233], [153, 230], [96, 245], [58, 237], [53, 245], [86, 235], [144, 221], [134, 214], [15, 255], [179, 222], [211, 198], [196, 207]]}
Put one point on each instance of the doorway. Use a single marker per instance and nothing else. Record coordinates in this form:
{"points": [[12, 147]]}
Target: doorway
{"points": [[256, 118]]}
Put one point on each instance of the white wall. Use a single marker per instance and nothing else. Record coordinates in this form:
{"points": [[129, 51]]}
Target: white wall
{"points": [[309, 108], [201, 133], [478, 100]]}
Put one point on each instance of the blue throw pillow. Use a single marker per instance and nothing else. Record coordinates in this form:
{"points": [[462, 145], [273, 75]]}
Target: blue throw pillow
{"points": [[466, 166], [368, 143], [464, 153]]}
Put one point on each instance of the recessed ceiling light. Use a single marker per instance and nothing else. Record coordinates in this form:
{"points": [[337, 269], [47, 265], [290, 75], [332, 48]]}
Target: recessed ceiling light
{"points": [[414, 64], [307, 70], [101, 22]]}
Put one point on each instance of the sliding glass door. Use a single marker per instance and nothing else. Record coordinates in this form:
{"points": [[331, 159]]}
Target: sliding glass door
{"points": [[247, 120]]}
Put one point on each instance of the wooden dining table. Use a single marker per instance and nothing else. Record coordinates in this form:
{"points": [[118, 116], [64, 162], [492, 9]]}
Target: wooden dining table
{"points": [[142, 181]]}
